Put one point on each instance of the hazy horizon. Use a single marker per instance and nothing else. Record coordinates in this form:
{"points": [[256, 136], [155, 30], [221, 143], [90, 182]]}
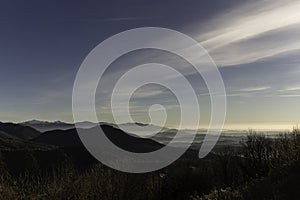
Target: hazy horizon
{"points": [[235, 127]]}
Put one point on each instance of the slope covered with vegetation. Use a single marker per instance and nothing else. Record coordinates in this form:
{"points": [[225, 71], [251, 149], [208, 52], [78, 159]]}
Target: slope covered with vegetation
{"points": [[265, 168]]}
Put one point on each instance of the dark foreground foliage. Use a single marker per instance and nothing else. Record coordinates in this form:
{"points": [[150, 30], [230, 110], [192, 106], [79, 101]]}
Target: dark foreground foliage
{"points": [[264, 168]]}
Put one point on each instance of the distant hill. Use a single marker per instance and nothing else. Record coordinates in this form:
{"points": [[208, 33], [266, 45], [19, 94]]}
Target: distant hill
{"points": [[44, 126], [9, 142], [59, 137], [123, 140], [6, 135], [18, 131]]}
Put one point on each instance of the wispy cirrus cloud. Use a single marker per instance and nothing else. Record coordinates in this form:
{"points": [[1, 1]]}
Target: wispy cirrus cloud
{"points": [[249, 32], [254, 89], [289, 95], [253, 31], [293, 88], [248, 91]]}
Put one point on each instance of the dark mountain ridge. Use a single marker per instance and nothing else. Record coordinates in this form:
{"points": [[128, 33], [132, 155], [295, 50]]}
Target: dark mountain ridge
{"points": [[19, 131], [121, 139]]}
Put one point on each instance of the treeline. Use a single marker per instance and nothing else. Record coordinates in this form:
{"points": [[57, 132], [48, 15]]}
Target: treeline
{"points": [[264, 168]]}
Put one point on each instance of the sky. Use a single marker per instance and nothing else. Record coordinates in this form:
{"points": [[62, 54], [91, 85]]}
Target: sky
{"points": [[255, 45]]}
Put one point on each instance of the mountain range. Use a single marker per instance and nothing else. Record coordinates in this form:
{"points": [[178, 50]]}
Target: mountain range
{"points": [[44, 126], [121, 139], [22, 134], [63, 134]]}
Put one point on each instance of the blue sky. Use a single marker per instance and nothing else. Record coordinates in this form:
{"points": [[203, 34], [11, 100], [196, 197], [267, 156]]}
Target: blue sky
{"points": [[255, 44]]}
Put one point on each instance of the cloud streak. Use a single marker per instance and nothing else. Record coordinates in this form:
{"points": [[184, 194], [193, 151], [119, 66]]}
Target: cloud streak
{"points": [[254, 89], [250, 32], [293, 88]]}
